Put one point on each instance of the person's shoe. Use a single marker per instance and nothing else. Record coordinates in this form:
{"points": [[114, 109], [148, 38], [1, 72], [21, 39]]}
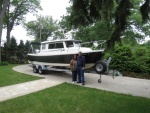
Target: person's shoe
{"points": [[78, 82], [73, 82], [83, 83]]}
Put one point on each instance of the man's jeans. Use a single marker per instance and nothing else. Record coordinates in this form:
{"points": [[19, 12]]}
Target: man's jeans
{"points": [[80, 74]]}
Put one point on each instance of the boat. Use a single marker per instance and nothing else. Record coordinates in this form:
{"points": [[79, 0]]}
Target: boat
{"points": [[58, 53]]}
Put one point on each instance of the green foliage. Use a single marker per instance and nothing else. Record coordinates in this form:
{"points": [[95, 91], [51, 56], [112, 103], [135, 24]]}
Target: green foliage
{"points": [[118, 18], [130, 59], [43, 28], [88, 12], [145, 9], [15, 53], [140, 52], [65, 22], [100, 31], [16, 9], [147, 44], [129, 40], [3, 63], [135, 28], [122, 59], [142, 55], [9, 52], [21, 52]]}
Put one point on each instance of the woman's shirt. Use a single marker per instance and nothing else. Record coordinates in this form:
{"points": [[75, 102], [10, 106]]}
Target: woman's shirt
{"points": [[73, 65]]}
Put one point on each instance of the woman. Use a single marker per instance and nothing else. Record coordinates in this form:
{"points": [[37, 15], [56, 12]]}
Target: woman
{"points": [[73, 65]]}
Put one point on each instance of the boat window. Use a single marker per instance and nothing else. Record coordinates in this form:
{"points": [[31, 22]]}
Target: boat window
{"points": [[51, 46], [69, 44], [59, 45], [77, 44], [43, 46]]}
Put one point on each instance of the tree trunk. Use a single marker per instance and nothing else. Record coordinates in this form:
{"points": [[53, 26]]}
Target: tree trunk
{"points": [[8, 34], [115, 37], [2, 12], [121, 14], [1, 27], [9, 28]]}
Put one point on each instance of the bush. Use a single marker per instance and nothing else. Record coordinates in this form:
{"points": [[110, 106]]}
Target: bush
{"points": [[129, 59], [13, 60], [142, 55], [122, 59], [3, 63]]}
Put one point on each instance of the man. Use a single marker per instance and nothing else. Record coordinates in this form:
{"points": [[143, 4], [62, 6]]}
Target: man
{"points": [[80, 68]]}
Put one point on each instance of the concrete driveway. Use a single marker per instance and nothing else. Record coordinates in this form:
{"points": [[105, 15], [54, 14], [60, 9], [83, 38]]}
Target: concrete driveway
{"points": [[125, 85]]}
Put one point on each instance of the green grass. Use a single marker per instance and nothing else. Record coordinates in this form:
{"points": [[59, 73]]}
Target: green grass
{"points": [[9, 77], [69, 98]]}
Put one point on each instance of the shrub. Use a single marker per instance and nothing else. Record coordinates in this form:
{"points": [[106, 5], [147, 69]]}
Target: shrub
{"points": [[122, 59], [3, 63], [142, 55], [129, 59]]}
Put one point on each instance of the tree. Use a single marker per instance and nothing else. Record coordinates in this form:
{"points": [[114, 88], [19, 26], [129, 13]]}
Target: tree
{"points": [[21, 51], [145, 10], [147, 44], [43, 28], [65, 22], [88, 12], [27, 46], [136, 29], [3, 5], [11, 51], [16, 9], [100, 31]]}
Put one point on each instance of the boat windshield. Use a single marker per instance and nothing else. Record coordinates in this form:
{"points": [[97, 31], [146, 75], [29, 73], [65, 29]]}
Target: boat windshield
{"points": [[69, 44], [72, 44], [77, 44]]}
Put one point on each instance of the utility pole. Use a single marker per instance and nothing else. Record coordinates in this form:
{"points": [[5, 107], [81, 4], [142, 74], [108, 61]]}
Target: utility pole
{"points": [[40, 29]]}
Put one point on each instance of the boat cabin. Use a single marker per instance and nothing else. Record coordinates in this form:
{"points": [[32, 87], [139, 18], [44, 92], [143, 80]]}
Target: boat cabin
{"points": [[59, 45]]}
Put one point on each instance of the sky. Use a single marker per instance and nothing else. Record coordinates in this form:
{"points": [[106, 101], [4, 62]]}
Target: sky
{"points": [[54, 8]]}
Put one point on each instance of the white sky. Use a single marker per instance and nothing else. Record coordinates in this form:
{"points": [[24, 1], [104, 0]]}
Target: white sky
{"points": [[54, 8]]}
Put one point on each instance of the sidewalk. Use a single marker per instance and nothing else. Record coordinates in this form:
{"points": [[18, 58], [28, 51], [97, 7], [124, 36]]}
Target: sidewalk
{"points": [[12, 91]]}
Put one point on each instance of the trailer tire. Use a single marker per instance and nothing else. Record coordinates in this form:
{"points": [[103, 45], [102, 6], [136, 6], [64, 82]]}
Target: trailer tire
{"points": [[41, 71], [100, 67], [99, 80], [35, 70]]}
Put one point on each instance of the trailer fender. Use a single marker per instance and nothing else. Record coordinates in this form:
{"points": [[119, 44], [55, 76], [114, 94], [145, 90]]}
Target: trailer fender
{"points": [[42, 69], [35, 68]]}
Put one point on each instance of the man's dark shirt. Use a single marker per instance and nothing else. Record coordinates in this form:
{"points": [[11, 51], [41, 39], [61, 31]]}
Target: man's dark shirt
{"points": [[81, 61]]}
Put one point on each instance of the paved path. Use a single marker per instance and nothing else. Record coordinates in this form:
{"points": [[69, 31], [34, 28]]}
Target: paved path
{"points": [[17, 90], [125, 85]]}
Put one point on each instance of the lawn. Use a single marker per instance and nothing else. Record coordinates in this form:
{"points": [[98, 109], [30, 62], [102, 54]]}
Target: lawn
{"points": [[70, 98], [9, 77]]}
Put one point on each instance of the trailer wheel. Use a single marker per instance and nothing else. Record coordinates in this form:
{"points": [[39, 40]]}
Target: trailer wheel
{"points": [[100, 67], [35, 70], [99, 80], [41, 71]]}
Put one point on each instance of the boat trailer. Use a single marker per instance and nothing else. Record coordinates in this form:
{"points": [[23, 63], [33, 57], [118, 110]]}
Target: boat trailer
{"points": [[113, 73]]}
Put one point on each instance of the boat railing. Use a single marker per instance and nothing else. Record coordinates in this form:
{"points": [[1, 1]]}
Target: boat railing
{"points": [[94, 44]]}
